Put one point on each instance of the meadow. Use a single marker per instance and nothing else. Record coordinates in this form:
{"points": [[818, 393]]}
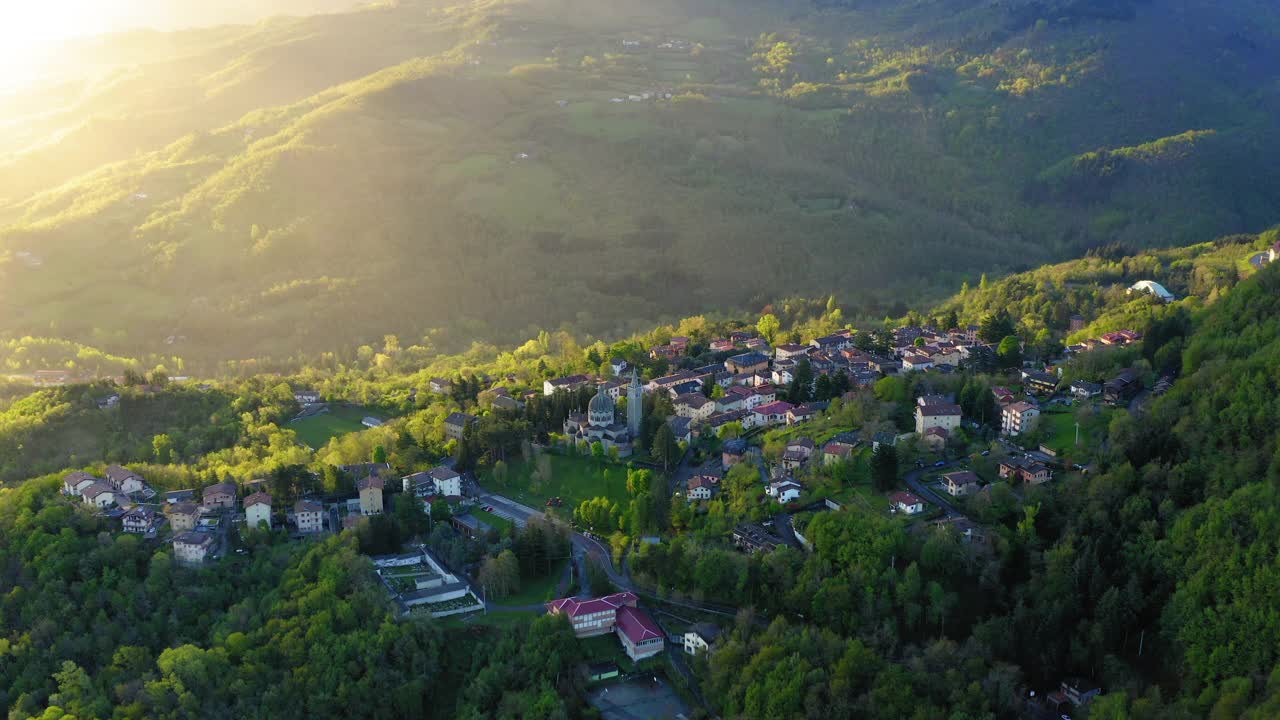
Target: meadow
{"points": [[573, 480], [316, 430]]}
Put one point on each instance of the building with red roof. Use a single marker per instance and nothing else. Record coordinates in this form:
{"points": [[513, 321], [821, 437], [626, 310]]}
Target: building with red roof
{"points": [[592, 617], [640, 635]]}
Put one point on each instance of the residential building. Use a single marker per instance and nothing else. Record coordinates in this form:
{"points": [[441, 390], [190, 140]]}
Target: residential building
{"points": [[935, 439], [1122, 388], [731, 402], [1039, 383], [593, 617], [1003, 395], [257, 510], [99, 494], [440, 386], [139, 519], [774, 413], [308, 516], [700, 637], [785, 491], [640, 635], [220, 495], [836, 452], [960, 484], [906, 503], [695, 406], [446, 481], [618, 366], [456, 424], [1028, 471], [306, 397], [370, 490], [75, 483], [124, 480], [191, 548], [790, 351], [681, 427], [753, 538], [568, 384], [370, 421], [183, 516], [1019, 418], [804, 412], [943, 415], [1085, 390], [701, 487], [747, 363], [733, 452]]}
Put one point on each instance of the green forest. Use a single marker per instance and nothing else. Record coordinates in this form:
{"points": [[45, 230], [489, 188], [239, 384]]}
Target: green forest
{"points": [[469, 171]]}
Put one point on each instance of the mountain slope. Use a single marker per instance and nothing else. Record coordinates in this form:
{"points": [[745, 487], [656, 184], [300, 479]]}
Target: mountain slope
{"points": [[482, 167]]}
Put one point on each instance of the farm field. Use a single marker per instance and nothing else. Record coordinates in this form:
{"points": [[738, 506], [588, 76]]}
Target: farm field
{"points": [[316, 430]]}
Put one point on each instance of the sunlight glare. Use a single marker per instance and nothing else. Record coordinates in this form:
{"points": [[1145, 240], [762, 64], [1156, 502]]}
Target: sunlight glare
{"points": [[30, 31]]}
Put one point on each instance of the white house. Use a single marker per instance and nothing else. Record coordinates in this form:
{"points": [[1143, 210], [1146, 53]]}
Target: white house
{"points": [[785, 491], [700, 488], [257, 510], [906, 503], [309, 516], [943, 415], [99, 495], [75, 483], [447, 482]]}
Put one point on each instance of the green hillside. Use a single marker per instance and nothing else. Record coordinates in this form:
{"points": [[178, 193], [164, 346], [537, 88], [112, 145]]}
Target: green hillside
{"points": [[482, 168]]}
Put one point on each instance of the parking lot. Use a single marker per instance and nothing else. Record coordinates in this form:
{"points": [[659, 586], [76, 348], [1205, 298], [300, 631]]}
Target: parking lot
{"points": [[638, 699]]}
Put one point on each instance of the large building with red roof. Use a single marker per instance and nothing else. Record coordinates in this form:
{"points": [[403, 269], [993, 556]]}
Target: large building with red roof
{"points": [[640, 635]]}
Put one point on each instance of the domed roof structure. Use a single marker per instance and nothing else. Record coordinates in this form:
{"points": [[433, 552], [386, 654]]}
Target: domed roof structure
{"points": [[600, 409], [601, 403]]}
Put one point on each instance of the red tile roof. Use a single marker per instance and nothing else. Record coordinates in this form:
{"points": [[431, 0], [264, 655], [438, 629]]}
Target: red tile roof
{"points": [[905, 498], [637, 625], [574, 607], [774, 408]]}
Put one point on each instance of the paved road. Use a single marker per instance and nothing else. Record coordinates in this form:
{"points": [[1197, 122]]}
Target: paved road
{"points": [[583, 545], [913, 480]]}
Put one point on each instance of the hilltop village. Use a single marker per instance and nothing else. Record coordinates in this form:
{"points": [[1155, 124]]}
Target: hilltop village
{"points": [[749, 437]]}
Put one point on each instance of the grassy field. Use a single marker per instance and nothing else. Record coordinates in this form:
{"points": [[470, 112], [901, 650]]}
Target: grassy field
{"points": [[316, 430], [1060, 430], [572, 479]]}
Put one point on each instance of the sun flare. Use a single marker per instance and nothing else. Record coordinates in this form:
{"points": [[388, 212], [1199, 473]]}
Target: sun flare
{"points": [[30, 32]]}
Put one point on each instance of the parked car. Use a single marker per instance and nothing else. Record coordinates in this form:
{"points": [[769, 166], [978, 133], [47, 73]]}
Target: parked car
{"points": [[986, 453], [940, 463]]}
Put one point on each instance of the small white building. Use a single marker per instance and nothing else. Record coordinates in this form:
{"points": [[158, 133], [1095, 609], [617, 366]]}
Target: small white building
{"points": [[309, 516], [784, 491], [75, 483], [257, 510], [99, 494], [906, 503]]}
